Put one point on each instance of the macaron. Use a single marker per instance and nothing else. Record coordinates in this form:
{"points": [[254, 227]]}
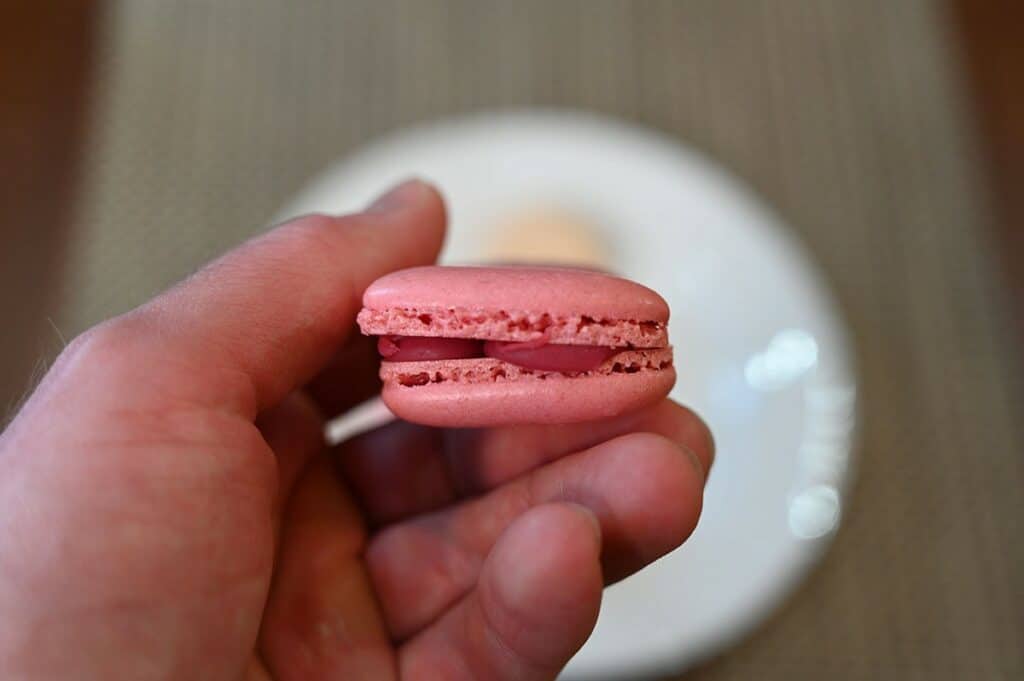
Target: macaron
{"points": [[486, 346]]}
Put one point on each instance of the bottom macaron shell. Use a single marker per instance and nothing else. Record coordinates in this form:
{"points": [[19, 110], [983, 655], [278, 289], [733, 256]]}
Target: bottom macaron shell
{"points": [[558, 400]]}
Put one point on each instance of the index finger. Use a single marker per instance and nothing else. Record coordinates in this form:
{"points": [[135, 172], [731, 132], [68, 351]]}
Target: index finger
{"points": [[403, 469]]}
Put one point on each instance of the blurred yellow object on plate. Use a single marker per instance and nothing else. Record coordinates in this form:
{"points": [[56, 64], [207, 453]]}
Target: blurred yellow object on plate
{"points": [[547, 235]]}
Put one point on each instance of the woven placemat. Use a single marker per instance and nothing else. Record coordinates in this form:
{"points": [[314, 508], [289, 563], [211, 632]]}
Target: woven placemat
{"points": [[847, 116]]}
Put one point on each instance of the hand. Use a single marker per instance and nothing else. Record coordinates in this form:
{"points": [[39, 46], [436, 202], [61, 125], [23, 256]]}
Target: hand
{"points": [[168, 508]]}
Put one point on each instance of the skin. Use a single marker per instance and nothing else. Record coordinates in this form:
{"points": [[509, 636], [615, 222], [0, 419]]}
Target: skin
{"points": [[168, 507]]}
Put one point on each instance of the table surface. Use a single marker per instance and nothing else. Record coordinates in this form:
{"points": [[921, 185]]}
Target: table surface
{"points": [[852, 119]]}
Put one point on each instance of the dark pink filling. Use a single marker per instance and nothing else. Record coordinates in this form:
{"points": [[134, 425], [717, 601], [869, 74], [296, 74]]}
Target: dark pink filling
{"points": [[549, 357], [536, 355], [417, 349]]}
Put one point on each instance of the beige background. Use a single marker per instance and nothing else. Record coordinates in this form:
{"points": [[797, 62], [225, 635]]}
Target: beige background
{"points": [[847, 116]]}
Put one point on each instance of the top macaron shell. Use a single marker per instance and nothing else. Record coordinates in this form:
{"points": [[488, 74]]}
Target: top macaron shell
{"points": [[572, 307], [557, 291]]}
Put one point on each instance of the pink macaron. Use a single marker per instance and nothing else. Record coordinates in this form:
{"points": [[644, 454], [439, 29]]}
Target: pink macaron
{"points": [[485, 346]]}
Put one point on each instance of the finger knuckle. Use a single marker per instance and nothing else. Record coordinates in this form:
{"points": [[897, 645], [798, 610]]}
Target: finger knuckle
{"points": [[106, 344]]}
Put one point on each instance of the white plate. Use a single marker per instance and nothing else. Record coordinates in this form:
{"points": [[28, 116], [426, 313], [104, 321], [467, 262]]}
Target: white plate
{"points": [[760, 349]]}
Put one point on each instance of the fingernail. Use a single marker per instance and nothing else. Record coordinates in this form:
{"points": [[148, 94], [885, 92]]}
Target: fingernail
{"points": [[694, 460], [587, 513], [398, 197]]}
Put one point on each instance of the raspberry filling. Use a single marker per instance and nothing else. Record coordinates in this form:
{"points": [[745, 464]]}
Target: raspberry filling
{"points": [[536, 355], [549, 357], [418, 348]]}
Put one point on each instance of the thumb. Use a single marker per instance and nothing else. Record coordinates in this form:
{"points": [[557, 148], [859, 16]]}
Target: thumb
{"points": [[261, 320], [535, 604]]}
